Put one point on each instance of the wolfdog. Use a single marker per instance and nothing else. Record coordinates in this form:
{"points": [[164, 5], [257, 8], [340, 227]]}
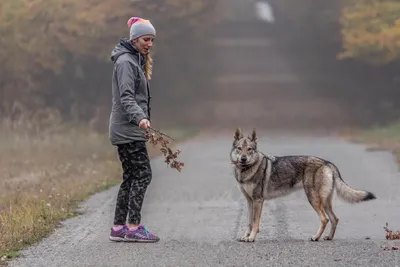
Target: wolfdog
{"points": [[262, 177]]}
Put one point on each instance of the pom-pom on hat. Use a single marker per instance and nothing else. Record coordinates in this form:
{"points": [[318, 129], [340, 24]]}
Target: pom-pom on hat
{"points": [[139, 27]]}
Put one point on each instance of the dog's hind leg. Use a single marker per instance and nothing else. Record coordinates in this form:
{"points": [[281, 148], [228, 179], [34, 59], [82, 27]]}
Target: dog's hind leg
{"points": [[327, 186], [332, 217], [258, 224], [318, 206], [317, 184]]}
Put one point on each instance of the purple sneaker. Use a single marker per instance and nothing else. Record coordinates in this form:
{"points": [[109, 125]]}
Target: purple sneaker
{"points": [[118, 235], [141, 234]]}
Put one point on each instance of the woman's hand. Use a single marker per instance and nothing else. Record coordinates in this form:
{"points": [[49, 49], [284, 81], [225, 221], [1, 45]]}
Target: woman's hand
{"points": [[144, 124]]}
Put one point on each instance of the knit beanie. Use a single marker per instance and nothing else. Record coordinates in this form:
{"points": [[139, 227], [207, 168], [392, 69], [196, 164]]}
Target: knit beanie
{"points": [[139, 27]]}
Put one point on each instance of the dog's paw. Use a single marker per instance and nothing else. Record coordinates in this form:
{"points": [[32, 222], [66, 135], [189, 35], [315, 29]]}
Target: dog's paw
{"points": [[245, 239], [313, 239], [242, 239], [247, 232], [327, 238], [251, 239]]}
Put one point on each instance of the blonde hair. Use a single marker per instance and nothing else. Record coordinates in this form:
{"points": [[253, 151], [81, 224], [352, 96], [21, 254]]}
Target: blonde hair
{"points": [[148, 67]]}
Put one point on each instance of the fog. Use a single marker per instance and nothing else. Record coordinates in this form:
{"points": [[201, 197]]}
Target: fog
{"points": [[266, 64]]}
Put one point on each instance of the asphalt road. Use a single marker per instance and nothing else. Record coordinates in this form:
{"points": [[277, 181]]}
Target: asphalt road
{"points": [[199, 213]]}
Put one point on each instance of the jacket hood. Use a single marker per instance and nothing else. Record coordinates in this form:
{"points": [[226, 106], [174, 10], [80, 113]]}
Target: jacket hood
{"points": [[124, 46]]}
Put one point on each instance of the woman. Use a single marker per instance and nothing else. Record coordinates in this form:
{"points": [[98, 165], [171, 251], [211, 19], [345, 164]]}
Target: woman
{"points": [[130, 117]]}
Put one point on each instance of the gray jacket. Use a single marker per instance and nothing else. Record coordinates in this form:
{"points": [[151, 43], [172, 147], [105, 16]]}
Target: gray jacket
{"points": [[130, 95]]}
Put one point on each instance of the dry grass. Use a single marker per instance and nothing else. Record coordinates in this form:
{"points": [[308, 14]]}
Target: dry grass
{"points": [[45, 172], [379, 138]]}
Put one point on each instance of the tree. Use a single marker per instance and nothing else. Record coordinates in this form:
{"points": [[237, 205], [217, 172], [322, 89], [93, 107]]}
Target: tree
{"points": [[371, 31], [43, 41]]}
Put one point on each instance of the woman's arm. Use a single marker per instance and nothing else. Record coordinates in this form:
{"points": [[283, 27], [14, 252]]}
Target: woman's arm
{"points": [[126, 81]]}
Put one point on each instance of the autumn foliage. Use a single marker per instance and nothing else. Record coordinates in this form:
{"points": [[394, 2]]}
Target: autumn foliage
{"points": [[371, 30], [59, 50]]}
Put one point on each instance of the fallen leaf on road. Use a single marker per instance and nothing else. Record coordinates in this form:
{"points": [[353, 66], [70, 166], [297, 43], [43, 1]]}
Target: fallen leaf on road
{"points": [[390, 234], [392, 248]]}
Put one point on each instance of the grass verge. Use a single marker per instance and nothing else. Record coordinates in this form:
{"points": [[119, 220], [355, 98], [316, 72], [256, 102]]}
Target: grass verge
{"points": [[46, 174], [379, 138]]}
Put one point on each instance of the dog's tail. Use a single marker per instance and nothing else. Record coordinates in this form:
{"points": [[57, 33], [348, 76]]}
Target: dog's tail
{"points": [[347, 193]]}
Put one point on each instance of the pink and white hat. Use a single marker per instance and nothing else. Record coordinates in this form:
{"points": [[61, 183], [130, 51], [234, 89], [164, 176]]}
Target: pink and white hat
{"points": [[139, 27]]}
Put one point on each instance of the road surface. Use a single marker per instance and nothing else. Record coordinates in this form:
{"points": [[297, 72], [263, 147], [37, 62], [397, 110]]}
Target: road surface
{"points": [[199, 213]]}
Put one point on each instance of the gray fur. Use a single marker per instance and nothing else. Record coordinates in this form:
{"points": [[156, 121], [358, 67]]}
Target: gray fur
{"points": [[263, 177]]}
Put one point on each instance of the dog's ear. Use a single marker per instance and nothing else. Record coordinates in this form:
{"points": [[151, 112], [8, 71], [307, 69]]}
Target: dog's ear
{"points": [[253, 136], [238, 134]]}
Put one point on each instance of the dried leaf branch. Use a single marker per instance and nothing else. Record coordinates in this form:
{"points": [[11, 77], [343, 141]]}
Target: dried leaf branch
{"points": [[156, 137], [390, 234]]}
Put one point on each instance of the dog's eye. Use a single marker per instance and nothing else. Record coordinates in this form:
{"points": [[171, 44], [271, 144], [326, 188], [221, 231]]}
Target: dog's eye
{"points": [[239, 148], [249, 149]]}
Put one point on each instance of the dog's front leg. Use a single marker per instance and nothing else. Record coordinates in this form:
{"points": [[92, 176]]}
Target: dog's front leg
{"points": [[250, 217], [250, 220], [257, 211]]}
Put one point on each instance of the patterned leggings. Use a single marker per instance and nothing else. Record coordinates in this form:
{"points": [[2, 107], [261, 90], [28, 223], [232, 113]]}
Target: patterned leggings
{"points": [[137, 176]]}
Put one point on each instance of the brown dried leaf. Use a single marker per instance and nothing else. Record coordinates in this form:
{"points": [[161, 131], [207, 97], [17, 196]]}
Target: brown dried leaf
{"points": [[390, 235], [156, 138]]}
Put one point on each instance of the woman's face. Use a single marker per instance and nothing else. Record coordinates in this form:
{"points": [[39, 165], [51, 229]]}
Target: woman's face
{"points": [[144, 43]]}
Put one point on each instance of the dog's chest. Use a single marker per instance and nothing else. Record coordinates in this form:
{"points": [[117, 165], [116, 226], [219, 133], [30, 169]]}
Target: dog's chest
{"points": [[248, 188]]}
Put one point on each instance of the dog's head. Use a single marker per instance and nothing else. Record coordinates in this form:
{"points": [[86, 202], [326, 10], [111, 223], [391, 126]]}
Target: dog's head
{"points": [[244, 151]]}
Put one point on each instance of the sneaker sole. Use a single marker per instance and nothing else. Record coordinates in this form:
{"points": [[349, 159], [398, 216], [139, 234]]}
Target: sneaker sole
{"points": [[117, 239], [141, 240]]}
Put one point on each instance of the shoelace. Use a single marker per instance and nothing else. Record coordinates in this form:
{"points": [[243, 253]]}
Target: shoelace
{"points": [[145, 230]]}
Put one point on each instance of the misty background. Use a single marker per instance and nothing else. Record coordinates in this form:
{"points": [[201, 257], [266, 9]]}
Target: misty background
{"points": [[211, 61]]}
